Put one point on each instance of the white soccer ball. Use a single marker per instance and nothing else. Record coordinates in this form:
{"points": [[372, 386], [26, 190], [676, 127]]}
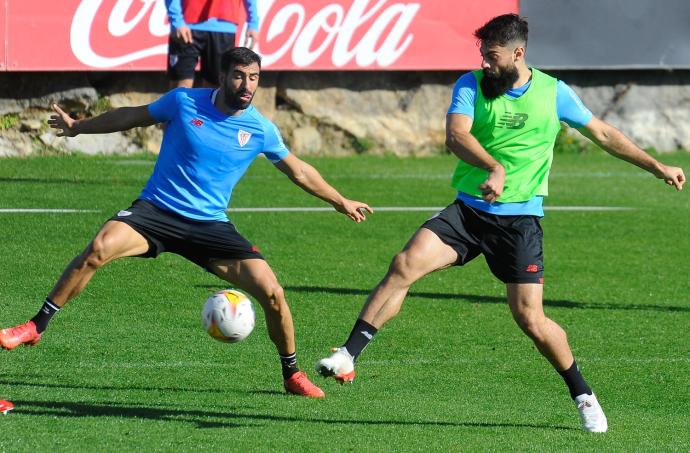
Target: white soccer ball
{"points": [[228, 316]]}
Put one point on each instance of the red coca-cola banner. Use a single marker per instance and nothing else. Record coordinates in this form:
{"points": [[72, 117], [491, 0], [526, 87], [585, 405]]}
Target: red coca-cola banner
{"points": [[3, 39], [49, 35]]}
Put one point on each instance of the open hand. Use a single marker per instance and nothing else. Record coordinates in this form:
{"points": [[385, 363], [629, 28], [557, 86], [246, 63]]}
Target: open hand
{"points": [[62, 122], [354, 209]]}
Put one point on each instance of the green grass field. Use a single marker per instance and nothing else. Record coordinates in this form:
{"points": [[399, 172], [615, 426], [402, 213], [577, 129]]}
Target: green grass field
{"points": [[127, 366]]}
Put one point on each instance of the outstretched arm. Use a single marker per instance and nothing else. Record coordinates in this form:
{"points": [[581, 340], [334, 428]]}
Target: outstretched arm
{"points": [[311, 181], [462, 143], [617, 144], [112, 121]]}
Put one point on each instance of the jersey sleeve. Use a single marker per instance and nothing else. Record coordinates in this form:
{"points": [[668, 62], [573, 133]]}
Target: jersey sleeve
{"points": [[174, 8], [164, 108], [570, 108], [252, 14], [464, 95], [274, 147]]}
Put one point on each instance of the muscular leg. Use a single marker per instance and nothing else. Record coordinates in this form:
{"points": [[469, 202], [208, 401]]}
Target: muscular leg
{"points": [[114, 240], [423, 254], [525, 302], [526, 305], [256, 277]]}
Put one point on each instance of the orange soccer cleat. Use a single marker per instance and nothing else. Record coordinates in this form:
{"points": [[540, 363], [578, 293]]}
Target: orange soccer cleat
{"points": [[5, 407], [299, 384], [24, 334]]}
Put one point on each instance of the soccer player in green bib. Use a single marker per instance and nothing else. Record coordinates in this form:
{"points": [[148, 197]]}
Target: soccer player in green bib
{"points": [[502, 124]]}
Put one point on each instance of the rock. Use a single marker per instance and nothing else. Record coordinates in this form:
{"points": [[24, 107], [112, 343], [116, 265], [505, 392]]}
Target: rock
{"points": [[401, 113], [28, 125], [654, 117], [7, 148], [336, 113], [306, 140], [131, 99], [265, 96], [21, 91], [335, 141], [115, 143], [15, 144], [650, 107], [49, 138], [152, 137]]}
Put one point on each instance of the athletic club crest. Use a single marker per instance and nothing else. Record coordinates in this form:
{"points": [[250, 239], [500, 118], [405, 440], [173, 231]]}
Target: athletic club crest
{"points": [[243, 137]]}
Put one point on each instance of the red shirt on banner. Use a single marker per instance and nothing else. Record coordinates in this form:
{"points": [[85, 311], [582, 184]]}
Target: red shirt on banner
{"points": [[196, 11]]}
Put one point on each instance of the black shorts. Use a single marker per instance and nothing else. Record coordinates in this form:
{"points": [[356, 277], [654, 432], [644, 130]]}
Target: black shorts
{"points": [[512, 245], [199, 241], [207, 46]]}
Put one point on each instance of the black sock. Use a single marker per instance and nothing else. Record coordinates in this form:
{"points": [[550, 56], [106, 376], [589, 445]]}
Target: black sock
{"points": [[575, 382], [44, 315], [362, 333], [289, 364]]}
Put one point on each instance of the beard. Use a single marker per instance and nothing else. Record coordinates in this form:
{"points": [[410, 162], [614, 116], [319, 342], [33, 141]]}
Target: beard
{"points": [[234, 100], [494, 85]]}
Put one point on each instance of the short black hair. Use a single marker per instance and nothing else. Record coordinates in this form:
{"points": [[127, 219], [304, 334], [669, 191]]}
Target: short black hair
{"points": [[502, 30], [238, 56]]}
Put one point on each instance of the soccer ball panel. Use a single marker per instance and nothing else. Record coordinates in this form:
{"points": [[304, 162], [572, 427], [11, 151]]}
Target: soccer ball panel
{"points": [[228, 316]]}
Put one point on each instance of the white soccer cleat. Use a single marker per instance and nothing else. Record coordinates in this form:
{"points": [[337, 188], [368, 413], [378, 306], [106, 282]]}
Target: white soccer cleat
{"points": [[340, 365], [591, 413]]}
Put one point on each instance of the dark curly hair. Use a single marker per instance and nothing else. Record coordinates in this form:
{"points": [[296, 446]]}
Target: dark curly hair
{"points": [[238, 56], [502, 30]]}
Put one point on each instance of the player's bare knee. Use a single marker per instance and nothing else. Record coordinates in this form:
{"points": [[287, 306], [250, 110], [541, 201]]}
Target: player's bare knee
{"points": [[275, 297], [402, 268], [532, 325], [94, 256]]}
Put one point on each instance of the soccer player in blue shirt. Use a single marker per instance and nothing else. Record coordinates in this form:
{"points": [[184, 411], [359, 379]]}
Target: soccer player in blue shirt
{"points": [[211, 138]]}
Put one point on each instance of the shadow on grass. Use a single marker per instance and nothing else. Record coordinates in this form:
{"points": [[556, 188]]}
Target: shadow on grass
{"points": [[229, 419], [472, 298], [67, 180], [13, 383]]}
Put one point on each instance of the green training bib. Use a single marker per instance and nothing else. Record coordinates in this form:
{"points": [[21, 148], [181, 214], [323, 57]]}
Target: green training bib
{"points": [[519, 133]]}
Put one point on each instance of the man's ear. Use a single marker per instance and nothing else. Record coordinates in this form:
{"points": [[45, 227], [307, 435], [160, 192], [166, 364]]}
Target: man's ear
{"points": [[519, 53]]}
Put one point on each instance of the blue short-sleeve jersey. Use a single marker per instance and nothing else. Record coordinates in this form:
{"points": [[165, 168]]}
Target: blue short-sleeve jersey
{"points": [[205, 152], [570, 110]]}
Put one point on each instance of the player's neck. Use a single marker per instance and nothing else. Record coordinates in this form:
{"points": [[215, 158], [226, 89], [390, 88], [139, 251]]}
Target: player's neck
{"points": [[524, 75]]}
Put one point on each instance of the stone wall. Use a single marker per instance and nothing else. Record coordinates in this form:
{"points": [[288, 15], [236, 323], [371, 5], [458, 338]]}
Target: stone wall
{"points": [[332, 113]]}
